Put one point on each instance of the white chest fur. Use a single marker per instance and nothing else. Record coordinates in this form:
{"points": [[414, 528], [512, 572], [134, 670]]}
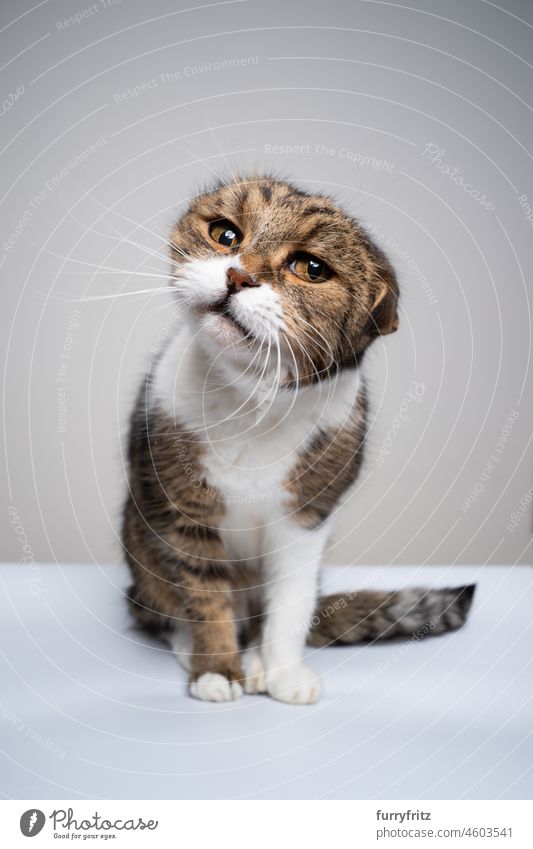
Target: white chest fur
{"points": [[251, 438]]}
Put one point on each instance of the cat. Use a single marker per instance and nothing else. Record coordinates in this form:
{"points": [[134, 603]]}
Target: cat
{"points": [[248, 433]]}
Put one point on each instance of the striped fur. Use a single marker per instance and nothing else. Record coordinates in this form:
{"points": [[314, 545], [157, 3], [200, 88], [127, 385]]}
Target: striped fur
{"points": [[246, 438]]}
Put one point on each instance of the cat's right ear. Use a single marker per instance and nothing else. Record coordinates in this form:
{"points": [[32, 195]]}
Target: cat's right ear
{"points": [[384, 312]]}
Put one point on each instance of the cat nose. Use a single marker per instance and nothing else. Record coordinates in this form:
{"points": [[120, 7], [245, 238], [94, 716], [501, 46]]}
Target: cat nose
{"points": [[237, 280]]}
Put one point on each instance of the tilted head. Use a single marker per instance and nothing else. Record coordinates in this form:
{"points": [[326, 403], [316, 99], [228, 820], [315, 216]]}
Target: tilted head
{"points": [[261, 266]]}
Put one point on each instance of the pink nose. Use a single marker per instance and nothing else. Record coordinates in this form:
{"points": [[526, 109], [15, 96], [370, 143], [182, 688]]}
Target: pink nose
{"points": [[237, 280]]}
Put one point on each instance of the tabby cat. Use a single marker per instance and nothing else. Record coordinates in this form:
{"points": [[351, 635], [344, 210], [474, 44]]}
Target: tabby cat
{"points": [[247, 434]]}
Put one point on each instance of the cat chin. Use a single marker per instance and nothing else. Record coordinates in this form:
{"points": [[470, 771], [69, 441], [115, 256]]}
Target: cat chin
{"points": [[222, 330], [225, 344]]}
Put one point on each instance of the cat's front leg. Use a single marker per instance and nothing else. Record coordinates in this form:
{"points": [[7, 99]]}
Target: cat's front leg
{"points": [[215, 672], [291, 563]]}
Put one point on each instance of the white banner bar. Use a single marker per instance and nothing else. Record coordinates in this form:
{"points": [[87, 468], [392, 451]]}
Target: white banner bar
{"points": [[268, 824]]}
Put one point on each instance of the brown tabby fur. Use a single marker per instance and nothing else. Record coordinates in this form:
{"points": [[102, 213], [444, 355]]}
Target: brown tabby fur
{"points": [[181, 569], [349, 316]]}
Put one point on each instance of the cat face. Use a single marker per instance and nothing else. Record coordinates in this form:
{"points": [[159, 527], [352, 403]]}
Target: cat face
{"points": [[261, 266]]}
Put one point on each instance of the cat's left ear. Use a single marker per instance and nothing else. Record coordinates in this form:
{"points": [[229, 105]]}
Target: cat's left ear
{"points": [[384, 310]]}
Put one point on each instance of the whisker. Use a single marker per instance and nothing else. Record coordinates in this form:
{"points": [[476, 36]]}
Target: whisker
{"points": [[275, 387], [239, 377], [328, 349], [136, 224], [117, 237], [100, 268], [233, 176], [90, 299], [234, 414]]}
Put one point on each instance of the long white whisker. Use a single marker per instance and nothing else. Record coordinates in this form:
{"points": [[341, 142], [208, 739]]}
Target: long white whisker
{"points": [[136, 224], [331, 383], [204, 162], [101, 268], [328, 349], [117, 237], [90, 299], [307, 355], [233, 177], [275, 386], [234, 413], [239, 377], [233, 416]]}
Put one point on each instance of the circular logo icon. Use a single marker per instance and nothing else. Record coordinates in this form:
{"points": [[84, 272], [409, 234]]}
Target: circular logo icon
{"points": [[32, 822]]}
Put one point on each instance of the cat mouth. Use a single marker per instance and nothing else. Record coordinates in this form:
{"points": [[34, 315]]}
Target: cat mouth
{"points": [[223, 308]]}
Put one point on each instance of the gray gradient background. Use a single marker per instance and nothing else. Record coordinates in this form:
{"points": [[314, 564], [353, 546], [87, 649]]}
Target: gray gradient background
{"points": [[377, 79]]}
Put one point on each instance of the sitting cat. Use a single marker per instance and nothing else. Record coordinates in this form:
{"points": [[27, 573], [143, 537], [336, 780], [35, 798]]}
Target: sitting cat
{"points": [[247, 433]]}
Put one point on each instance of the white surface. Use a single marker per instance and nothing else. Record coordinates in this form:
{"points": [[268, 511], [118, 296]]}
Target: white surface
{"points": [[447, 717]]}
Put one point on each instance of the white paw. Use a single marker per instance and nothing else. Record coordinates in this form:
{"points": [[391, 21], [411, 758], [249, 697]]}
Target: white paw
{"points": [[213, 687], [296, 685], [254, 672]]}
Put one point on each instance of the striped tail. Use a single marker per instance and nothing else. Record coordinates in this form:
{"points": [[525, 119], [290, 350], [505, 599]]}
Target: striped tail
{"points": [[355, 617]]}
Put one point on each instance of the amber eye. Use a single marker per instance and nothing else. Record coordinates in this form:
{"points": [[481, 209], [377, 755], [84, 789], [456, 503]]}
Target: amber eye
{"points": [[310, 268], [225, 233]]}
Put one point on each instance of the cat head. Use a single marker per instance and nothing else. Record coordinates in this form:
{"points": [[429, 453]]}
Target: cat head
{"points": [[260, 266]]}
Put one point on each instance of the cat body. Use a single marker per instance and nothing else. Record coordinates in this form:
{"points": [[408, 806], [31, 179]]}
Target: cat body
{"points": [[247, 436]]}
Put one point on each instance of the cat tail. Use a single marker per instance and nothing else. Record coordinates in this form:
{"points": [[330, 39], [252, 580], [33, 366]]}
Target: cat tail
{"points": [[365, 615]]}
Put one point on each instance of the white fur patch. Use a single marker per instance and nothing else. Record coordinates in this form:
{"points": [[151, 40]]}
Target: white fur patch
{"points": [[251, 434], [259, 310], [212, 687], [201, 283], [295, 685], [254, 671]]}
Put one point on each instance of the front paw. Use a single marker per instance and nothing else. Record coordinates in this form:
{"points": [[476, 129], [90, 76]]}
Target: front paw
{"points": [[296, 685], [254, 672], [213, 687]]}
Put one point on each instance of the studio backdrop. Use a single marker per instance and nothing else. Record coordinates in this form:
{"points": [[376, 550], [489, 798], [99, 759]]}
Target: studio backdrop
{"points": [[115, 114]]}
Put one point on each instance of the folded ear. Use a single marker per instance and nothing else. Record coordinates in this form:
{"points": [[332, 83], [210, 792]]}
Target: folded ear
{"points": [[384, 311]]}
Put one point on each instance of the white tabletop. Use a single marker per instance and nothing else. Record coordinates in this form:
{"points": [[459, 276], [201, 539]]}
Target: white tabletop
{"points": [[91, 708]]}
